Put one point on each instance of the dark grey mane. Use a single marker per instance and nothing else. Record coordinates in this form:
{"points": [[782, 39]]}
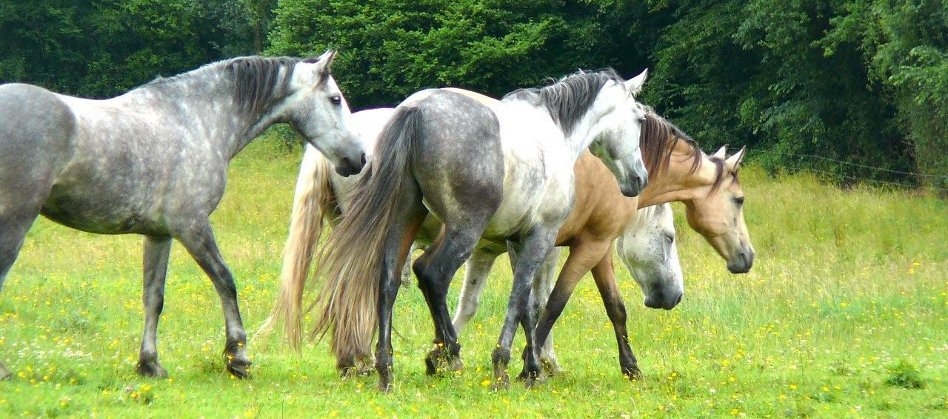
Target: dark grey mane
{"points": [[568, 99], [258, 81]]}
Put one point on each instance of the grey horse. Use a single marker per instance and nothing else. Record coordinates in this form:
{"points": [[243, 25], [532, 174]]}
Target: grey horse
{"points": [[153, 161]]}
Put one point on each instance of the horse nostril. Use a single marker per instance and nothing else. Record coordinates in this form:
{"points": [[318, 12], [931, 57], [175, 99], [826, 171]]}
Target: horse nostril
{"points": [[679, 299]]}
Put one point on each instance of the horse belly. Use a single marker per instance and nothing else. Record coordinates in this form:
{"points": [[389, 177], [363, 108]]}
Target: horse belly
{"points": [[100, 212]]}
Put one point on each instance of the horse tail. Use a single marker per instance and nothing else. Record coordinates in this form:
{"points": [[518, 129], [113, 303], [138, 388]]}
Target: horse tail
{"points": [[314, 199], [351, 261]]}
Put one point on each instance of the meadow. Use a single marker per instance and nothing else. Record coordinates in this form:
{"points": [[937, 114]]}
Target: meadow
{"points": [[844, 314]]}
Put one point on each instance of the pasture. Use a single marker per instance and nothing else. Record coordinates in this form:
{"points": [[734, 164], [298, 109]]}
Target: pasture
{"points": [[844, 314]]}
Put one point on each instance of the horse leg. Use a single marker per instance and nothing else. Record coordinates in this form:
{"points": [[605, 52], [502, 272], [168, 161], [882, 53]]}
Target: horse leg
{"points": [[157, 250], [604, 275], [583, 255], [530, 253], [397, 247], [475, 276], [200, 243], [434, 270], [542, 287], [14, 223]]}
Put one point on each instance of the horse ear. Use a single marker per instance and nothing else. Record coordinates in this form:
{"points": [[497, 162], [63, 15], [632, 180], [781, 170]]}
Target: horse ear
{"points": [[734, 162], [721, 153], [634, 85], [325, 61]]}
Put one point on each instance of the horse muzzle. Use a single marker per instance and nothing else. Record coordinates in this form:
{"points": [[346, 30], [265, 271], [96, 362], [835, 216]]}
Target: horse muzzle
{"points": [[741, 262], [349, 167], [663, 301], [634, 186]]}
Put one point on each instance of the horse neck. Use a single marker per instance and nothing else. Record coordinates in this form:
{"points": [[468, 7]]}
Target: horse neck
{"points": [[678, 182], [205, 98]]}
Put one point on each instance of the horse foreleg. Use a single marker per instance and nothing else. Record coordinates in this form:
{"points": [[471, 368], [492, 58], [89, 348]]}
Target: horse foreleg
{"points": [[14, 223], [201, 245], [156, 252], [530, 253], [475, 276], [583, 255], [604, 275], [542, 288]]}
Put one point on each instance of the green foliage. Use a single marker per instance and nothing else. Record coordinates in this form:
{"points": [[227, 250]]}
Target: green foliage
{"points": [[390, 49], [853, 90], [106, 47]]}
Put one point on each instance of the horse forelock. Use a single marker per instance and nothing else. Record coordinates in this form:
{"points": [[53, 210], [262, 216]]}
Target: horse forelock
{"points": [[720, 170], [568, 99], [659, 137]]}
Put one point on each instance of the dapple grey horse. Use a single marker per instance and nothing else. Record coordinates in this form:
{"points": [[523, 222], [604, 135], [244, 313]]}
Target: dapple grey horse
{"points": [[153, 161]]}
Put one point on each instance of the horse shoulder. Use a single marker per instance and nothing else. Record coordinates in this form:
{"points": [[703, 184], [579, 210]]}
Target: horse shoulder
{"points": [[609, 210]]}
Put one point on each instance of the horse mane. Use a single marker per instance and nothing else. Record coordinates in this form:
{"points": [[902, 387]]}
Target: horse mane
{"points": [[568, 99], [659, 138], [258, 81]]}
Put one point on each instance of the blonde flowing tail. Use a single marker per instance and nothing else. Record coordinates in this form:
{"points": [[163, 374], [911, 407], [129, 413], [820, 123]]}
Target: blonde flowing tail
{"points": [[314, 199], [350, 263]]}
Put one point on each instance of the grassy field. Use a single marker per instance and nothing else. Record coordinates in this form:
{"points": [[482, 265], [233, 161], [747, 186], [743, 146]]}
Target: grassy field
{"points": [[845, 314]]}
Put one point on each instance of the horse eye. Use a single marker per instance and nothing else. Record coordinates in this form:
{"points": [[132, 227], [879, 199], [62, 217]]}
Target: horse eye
{"points": [[739, 200], [335, 99], [670, 238]]}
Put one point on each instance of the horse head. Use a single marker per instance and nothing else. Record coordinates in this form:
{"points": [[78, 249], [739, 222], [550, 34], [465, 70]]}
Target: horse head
{"points": [[647, 248], [618, 144], [319, 111], [719, 215]]}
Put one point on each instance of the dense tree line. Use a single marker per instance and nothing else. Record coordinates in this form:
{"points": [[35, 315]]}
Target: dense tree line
{"points": [[854, 89]]}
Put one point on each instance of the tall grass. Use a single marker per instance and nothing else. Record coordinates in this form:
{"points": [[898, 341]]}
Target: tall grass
{"points": [[845, 314]]}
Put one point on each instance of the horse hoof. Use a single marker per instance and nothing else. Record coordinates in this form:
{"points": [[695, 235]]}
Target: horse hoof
{"points": [[438, 361], [550, 367], [530, 378], [239, 368], [151, 369], [632, 374], [501, 383]]}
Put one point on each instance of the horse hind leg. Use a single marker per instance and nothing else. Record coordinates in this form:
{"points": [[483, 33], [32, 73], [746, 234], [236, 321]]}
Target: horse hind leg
{"points": [[200, 243], [475, 276], [156, 253], [434, 270], [542, 288]]}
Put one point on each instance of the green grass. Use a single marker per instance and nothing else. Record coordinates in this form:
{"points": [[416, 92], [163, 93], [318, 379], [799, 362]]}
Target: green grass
{"points": [[845, 314]]}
